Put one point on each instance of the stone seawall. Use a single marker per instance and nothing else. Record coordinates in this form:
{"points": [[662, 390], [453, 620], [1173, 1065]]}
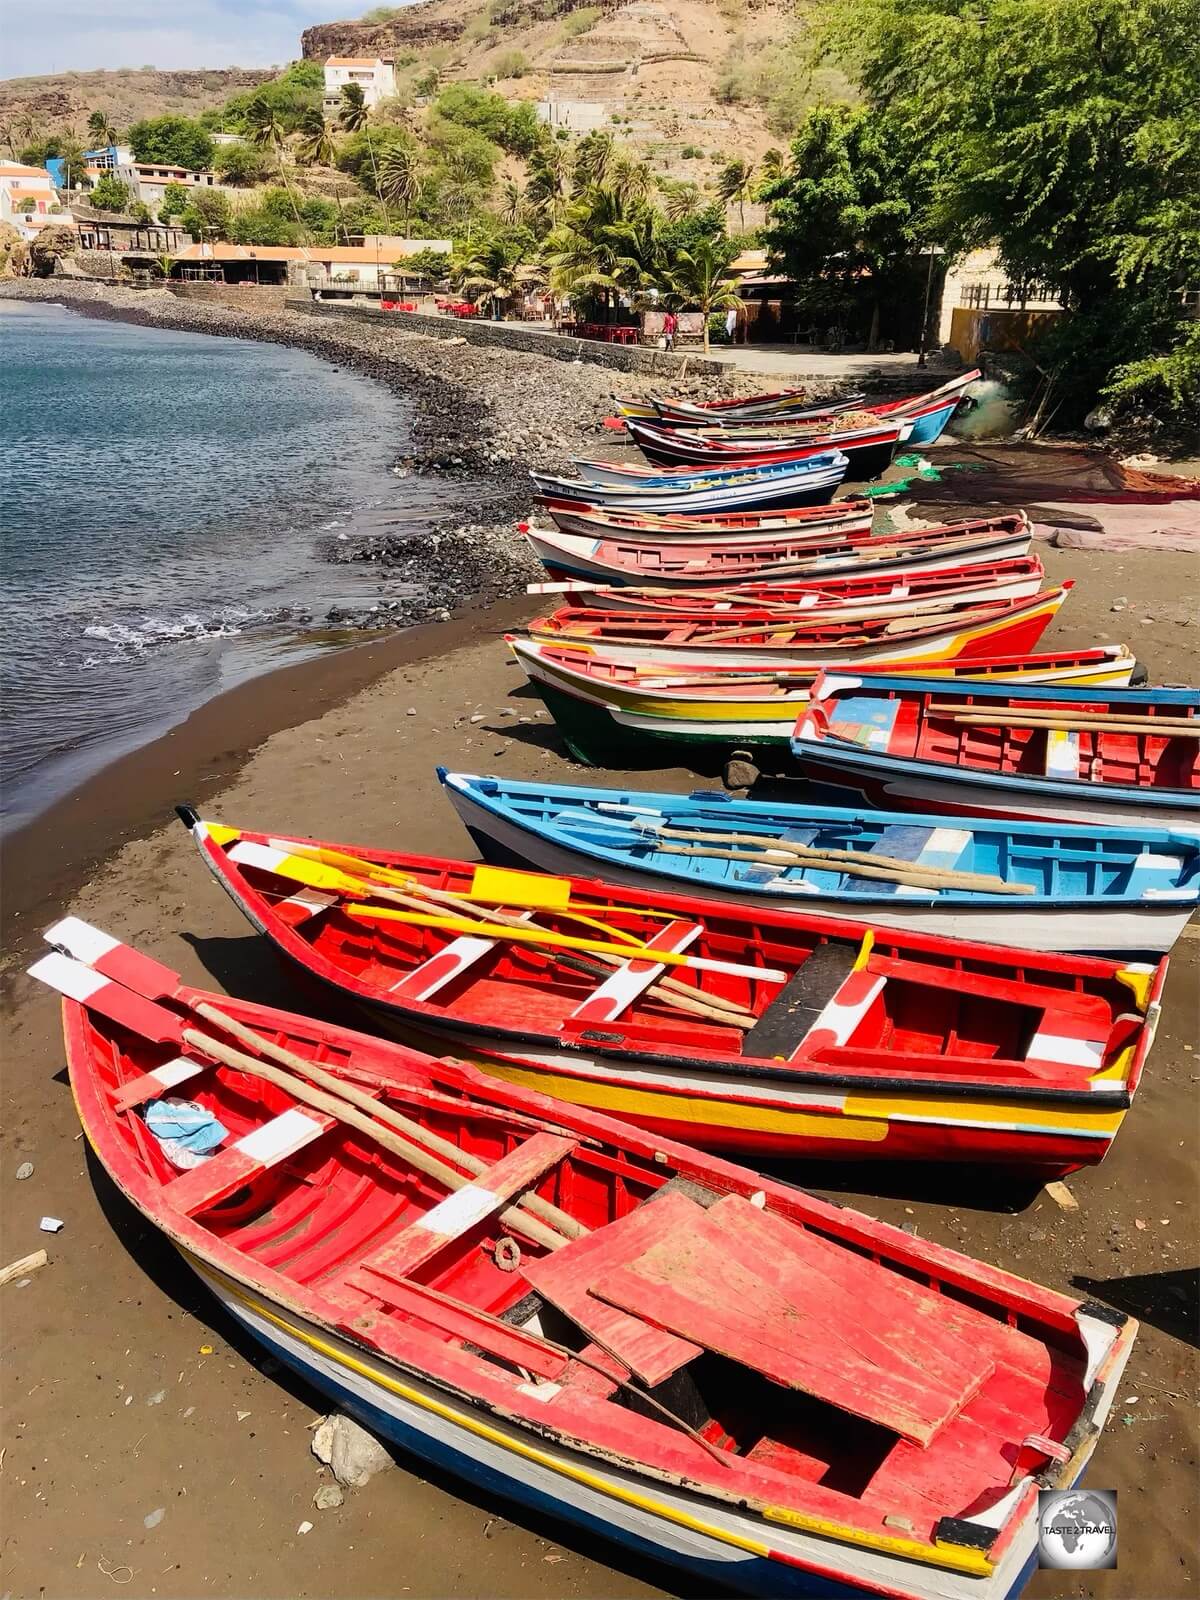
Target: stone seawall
{"points": [[513, 336], [238, 297]]}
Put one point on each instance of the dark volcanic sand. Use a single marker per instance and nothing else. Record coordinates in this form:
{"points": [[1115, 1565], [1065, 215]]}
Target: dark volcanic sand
{"points": [[114, 1321], [114, 1317]]}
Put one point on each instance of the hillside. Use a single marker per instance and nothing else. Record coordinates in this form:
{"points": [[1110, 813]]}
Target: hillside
{"points": [[67, 98], [690, 82]]}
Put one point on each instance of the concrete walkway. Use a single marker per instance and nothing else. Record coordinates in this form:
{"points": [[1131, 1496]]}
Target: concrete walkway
{"points": [[797, 363]]}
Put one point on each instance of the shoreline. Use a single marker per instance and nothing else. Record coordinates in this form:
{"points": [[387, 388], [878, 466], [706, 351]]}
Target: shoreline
{"points": [[342, 746]]}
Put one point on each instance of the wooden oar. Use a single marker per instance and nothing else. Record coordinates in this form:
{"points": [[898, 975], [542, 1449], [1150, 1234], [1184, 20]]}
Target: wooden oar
{"points": [[1070, 724], [562, 1220], [854, 864], [669, 991], [528, 935], [1081, 714]]}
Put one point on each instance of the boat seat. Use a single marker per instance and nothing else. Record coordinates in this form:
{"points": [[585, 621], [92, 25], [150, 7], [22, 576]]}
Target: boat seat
{"points": [[632, 978], [441, 968], [795, 1010], [767, 871], [465, 1208], [303, 906], [233, 1167], [865, 720], [1062, 753], [925, 847]]}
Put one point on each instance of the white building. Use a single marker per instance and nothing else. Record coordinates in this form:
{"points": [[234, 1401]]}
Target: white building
{"points": [[375, 76], [147, 180], [29, 200]]}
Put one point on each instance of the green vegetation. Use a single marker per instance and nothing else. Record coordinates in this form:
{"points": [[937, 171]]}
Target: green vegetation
{"points": [[175, 201], [174, 141], [382, 13], [241, 165], [101, 129], [109, 194], [207, 215], [1066, 133], [297, 90], [511, 64], [581, 21]]}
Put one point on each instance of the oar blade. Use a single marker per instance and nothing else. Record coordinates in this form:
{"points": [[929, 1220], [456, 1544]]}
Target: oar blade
{"points": [[108, 999], [94, 948]]}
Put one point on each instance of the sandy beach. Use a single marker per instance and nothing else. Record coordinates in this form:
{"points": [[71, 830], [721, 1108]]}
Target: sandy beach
{"points": [[128, 1394]]}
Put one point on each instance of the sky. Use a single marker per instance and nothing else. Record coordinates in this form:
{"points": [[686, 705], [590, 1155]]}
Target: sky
{"points": [[44, 36]]}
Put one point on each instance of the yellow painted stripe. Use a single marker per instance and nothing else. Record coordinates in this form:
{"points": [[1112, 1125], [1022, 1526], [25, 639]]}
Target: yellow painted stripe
{"points": [[969, 1112], [633, 1103], [954, 1559]]}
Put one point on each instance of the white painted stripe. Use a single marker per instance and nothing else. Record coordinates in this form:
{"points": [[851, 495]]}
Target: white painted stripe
{"points": [[176, 1071], [69, 977], [81, 940], [281, 1137], [248, 854], [1071, 1052], [841, 1019], [540, 1391], [458, 1211], [312, 900], [1062, 753]]}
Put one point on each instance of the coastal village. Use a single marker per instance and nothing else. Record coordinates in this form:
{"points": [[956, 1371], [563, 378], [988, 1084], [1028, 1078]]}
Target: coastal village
{"points": [[658, 1055]]}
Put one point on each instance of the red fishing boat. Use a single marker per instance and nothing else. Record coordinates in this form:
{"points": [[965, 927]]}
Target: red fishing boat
{"points": [[583, 516], [769, 1032], [833, 597], [869, 445], [692, 563], [708, 1367], [956, 633]]}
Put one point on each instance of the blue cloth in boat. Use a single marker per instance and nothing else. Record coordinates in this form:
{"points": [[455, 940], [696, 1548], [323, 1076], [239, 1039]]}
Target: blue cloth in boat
{"points": [[184, 1124]]}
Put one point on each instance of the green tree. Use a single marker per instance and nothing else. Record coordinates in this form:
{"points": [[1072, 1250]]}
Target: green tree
{"points": [[207, 215], [174, 141], [852, 206], [316, 146], [265, 128], [734, 185], [242, 165], [594, 157], [1067, 133], [352, 110], [548, 186], [101, 129], [399, 179], [140, 212], [698, 280], [175, 201], [109, 194]]}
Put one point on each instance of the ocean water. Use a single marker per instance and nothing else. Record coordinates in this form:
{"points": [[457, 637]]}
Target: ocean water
{"points": [[164, 502]]}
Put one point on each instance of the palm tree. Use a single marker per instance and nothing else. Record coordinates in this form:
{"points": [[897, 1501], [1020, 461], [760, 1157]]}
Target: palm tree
{"points": [[594, 158], [354, 117], [352, 113], [698, 280], [733, 183], [399, 179], [605, 245], [513, 204], [771, 167], [316, 147], [548, 183], [264, 128], [680, 199], [492, 270], [101, 128], [631, 178]]}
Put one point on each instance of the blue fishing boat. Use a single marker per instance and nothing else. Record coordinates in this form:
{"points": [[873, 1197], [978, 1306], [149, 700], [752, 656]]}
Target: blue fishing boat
{"points": [[811, 481], [1045, 887]]}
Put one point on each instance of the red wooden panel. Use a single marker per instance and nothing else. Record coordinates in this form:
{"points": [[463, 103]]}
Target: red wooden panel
{"points": [[886, 1321], [691, 1284], [213, 1181], [564, 1279], [463, 1210], [462, 1321]]}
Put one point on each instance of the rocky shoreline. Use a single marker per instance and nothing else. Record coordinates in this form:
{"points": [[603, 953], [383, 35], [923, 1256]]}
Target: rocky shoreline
{"points": [[481, 414]]}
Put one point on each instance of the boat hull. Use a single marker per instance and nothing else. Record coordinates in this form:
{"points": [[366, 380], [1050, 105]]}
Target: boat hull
{"points": [[1119, 930], [658, 1522]]}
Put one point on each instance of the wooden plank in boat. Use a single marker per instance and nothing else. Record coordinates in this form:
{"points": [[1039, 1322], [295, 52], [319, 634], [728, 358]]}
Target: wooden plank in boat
{"points": [[888, 1322], [223, 1174], [690, 1284], [451, 1316], [632, 978], [463, 1210], [786, 1022], [563, 1279]]}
